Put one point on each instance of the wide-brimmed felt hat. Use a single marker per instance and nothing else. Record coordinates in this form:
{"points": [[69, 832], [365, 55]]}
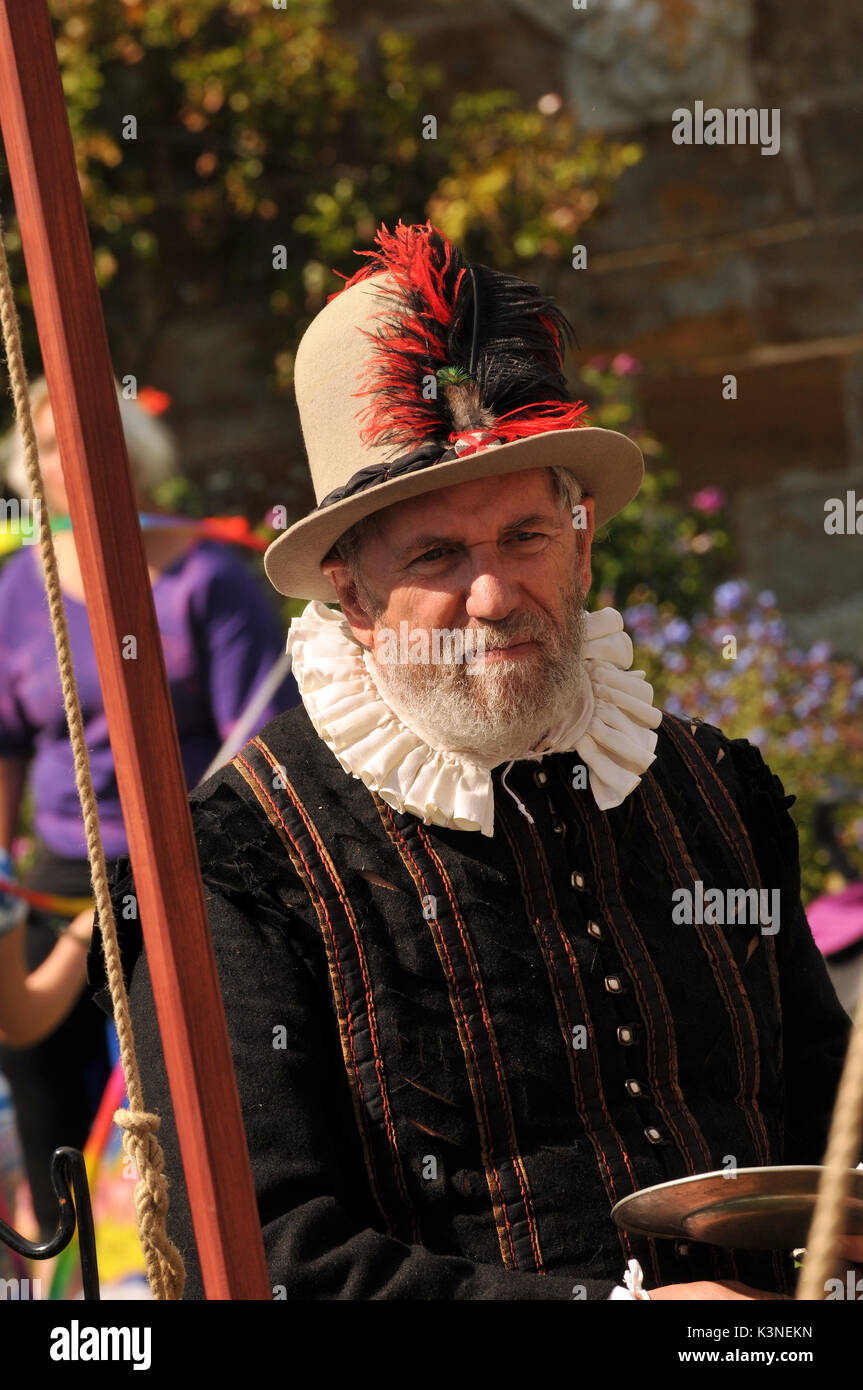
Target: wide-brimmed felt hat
{"points": [[464, 368]]}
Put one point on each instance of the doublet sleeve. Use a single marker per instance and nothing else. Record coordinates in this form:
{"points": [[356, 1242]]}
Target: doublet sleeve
{"points": [[316, 1211], [815, 1027]]}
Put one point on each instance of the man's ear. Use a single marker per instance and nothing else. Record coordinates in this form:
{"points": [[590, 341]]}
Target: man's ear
{"points": [[361, 622]]}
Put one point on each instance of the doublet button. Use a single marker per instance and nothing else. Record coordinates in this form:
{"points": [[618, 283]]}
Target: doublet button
{"points": [[595, 930], [625, 1036], [653, 1134], [578, 880], [540, 778], [633, 1088], [614, 984]]}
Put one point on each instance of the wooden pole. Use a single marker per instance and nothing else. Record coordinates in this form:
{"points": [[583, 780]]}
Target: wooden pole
{"points": [[75, 353]]}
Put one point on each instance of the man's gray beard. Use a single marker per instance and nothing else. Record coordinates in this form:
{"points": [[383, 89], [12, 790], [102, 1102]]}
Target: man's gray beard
{"points": [[500, 710]]}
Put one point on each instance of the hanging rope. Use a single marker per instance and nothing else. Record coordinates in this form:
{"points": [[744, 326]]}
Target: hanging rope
{"points": [[165, 1269]]}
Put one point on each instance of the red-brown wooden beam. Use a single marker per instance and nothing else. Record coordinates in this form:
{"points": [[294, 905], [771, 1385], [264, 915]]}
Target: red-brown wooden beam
{"points": [[117, 589]]}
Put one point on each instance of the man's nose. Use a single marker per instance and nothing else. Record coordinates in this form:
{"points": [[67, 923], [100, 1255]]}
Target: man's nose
{"points": [[491, 595]]}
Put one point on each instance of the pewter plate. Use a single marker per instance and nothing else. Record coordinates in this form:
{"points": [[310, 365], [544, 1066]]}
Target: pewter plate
{"points": [[757, 1209]]}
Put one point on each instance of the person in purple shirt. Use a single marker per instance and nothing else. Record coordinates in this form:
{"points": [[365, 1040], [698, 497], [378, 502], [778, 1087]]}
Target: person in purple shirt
{"points": [[221, 636]]}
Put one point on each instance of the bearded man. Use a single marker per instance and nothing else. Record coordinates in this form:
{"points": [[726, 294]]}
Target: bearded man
{"points": [[464, 1019]]}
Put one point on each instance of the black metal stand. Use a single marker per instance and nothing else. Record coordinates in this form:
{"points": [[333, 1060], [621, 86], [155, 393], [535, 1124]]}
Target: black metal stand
{"points": [[69, 1180]]}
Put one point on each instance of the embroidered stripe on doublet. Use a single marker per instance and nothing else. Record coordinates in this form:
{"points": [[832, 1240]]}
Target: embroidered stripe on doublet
{"points": [[349, 978], [741, 847], [725, 970], [728, 819], [504, 1170]]}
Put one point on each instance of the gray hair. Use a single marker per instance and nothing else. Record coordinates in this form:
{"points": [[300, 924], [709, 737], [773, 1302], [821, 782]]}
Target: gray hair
{"points": [[568, 493], [151, 444]]}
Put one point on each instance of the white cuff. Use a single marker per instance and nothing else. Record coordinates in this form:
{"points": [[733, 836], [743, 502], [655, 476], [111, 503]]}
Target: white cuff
{"points": [[634, 1281]]}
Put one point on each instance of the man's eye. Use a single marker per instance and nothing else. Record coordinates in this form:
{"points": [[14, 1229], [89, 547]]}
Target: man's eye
{"points": [[429, 555], [440, 552]]}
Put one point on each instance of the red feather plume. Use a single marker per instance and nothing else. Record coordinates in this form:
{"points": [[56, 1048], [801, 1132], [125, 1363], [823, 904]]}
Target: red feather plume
{"points": [[506, 338]]}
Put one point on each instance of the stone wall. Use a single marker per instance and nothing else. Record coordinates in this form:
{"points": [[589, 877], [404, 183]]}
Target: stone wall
{"points": [[719, 259]]}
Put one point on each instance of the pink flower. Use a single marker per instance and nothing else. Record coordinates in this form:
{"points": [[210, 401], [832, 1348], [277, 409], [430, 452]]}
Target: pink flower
{"points": [[625, 365], [708, 500], [21, 845]]}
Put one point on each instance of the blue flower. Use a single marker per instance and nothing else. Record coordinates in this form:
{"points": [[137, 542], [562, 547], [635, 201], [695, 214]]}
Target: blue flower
{"points": [[803, 707], [677, 630], [820, 651], [640, 612], [758, 736], [799, 740], [730, 595], [766, 599]]}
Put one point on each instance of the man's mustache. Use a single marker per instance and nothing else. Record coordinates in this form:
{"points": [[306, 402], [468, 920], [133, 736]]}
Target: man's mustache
{"points": [[527, 628]]}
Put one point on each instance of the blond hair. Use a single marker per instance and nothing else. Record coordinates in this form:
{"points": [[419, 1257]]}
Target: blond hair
{"points": [[151, 444]]}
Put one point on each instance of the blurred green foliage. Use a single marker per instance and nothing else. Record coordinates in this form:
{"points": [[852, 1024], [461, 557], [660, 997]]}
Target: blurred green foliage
{"points": [[260, 127]]}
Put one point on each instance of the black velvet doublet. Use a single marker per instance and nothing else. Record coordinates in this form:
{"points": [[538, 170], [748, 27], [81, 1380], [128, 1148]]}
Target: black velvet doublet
{"points": [[455, 1052]]}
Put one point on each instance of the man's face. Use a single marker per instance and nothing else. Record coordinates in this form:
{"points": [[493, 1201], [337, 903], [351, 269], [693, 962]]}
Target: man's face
{"points": [[498, 558]]}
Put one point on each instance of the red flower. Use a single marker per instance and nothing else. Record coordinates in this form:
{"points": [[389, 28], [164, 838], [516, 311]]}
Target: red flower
{"points": [[153, 401]]}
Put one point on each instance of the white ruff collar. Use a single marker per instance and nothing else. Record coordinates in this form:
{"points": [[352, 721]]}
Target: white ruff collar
{"points": [[611, 725]]}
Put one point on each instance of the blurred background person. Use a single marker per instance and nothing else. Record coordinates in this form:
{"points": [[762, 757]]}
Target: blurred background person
{"points": [[221, 637]]}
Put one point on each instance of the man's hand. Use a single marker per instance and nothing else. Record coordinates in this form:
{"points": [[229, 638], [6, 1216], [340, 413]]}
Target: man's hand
{"points": [[704, 1291]]}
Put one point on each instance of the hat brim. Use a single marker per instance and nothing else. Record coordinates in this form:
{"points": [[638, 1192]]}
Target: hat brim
{"points": [[608, 465]]}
